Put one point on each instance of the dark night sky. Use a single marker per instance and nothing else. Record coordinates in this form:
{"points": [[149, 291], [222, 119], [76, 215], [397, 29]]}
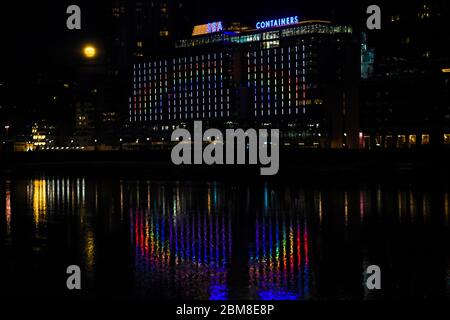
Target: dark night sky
{"points": [[33, 34]]}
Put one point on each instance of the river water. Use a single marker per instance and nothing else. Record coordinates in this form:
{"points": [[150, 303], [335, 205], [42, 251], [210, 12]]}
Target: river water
{"points": [[154, 240]]}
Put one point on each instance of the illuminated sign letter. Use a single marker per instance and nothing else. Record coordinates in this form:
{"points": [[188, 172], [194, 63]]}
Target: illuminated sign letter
{"points": [[208, 28], [277, 22]]}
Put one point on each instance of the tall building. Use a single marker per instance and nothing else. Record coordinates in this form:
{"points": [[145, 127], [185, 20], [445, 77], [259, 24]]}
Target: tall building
{"points": [[405, 102], [135, 29], [298, 76], [144, 27]]}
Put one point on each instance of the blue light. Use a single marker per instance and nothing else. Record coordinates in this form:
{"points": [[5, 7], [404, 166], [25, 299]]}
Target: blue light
{"points": [[278, 295], [273, 23], [219, 292]]}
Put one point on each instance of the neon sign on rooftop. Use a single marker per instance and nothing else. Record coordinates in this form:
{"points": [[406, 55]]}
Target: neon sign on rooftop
{"points": [[277, 22]]}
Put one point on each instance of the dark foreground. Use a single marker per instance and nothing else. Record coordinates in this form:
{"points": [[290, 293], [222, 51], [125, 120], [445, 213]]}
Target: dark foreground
{"points": [[298, 165], [145, 231], [146, 240]]}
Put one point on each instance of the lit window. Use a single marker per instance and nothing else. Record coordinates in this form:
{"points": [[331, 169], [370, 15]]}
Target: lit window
{"points": [[401, 141], [425, 139], [388, 141], [378, 140], [447, 138], [412, 140], [164, 33]]}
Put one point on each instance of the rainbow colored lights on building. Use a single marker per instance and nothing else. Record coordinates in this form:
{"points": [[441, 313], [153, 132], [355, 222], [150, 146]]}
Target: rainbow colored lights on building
{"points": [[278, 77], [189, 87]]}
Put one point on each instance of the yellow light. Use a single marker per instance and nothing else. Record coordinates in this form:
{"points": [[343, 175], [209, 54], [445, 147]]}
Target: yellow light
{"points": [[446, 70], [90, 52], [200, 30]]}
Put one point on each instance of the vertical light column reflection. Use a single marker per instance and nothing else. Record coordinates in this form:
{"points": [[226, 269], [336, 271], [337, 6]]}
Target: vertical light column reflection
{"points": [[89, 251], [39, 201], [346, 208], [8, 207], [121, 199], [379, 201], [320, 208], [412, 205], [446, 206], [362, 205], [400, 205], [426, 206]]}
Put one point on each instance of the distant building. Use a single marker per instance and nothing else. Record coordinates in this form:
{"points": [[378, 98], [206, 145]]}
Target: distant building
{"points": [[85, 124], [43, 135], [405, 100], [299, 76]]}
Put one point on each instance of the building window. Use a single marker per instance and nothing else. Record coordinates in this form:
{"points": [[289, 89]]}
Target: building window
{"points": [[378, 140], [164, 33], [447, 138], [116, 12], [425, 139], [366, 143], [388, 142], [401, 141], [412, 140], [395, 18]]}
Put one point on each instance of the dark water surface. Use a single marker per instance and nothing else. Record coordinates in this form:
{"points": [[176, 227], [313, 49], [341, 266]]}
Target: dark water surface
{"points": [[212, 240]]}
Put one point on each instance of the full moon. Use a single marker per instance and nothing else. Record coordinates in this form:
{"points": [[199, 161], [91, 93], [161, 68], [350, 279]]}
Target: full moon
{"points": [[89, 52]]}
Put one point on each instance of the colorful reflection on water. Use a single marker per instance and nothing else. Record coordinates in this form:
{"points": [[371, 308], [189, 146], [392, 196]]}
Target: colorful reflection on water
{"points": [[194, 246], [279, 265], [211, 241]]}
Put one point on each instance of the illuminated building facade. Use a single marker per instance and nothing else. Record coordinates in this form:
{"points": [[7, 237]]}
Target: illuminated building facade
{"points": [[301, 77], [43, 136]]}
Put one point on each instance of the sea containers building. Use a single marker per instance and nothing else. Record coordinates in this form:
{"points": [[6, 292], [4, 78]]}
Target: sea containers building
{"points": [[298, 76]]}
